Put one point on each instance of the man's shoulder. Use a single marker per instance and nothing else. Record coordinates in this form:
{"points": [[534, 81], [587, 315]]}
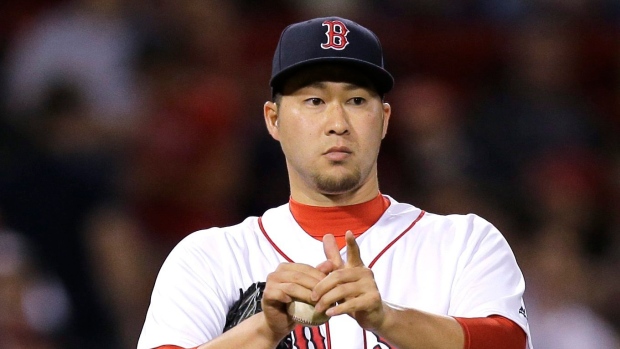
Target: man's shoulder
{"points": [[397, 207], [244, 226], [469, 219], [470, 231], [460, 223], [279, 216]]}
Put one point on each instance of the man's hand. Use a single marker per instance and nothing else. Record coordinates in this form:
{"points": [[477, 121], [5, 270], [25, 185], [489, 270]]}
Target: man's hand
{"points": [[289, 281], [351, 285]]}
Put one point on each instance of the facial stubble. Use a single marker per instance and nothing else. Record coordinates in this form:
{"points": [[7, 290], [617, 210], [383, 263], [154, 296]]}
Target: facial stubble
{"points": [[333, 185]]}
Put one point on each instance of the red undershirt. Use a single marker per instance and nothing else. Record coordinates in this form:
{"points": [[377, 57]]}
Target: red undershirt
{"points": [[490, 332], [318, 221]]}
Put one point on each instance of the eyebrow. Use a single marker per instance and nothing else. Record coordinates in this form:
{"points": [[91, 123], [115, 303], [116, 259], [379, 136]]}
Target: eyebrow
{"points": [[348, 85]]}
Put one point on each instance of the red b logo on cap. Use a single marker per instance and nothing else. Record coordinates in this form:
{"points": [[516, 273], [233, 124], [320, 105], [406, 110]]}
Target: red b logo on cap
{"points": [[336, 35]]}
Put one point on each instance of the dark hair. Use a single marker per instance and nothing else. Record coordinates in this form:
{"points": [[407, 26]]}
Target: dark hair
{"points": [[337, 72]]}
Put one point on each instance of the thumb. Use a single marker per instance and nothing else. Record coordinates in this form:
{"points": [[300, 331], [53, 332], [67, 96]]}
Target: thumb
{"points": [[353, 251]]}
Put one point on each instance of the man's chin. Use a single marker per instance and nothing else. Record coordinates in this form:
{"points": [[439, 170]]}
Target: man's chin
{"points": [[336, 186]]}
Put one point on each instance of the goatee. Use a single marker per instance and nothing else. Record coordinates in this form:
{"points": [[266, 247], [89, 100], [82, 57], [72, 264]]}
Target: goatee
{"points": [[337, 185]]}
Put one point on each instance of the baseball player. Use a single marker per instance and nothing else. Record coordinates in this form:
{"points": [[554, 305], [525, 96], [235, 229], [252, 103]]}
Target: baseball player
{"points": [[386, 274]]}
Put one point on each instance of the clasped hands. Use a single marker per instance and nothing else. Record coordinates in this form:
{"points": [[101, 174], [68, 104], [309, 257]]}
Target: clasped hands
{"points": [[334, 286]]}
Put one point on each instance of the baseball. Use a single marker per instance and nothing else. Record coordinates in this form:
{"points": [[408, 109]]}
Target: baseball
{"points": [[305, 314]]}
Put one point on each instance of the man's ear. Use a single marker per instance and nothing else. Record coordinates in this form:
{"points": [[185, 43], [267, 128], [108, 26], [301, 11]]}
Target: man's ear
{"points": [[387, 112], [270, 112]]}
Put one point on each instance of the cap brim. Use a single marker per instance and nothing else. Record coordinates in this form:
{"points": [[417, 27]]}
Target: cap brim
{"points": [[380, 77]]}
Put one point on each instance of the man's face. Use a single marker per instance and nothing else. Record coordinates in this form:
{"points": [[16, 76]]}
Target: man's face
{"points": [[330, 132]]}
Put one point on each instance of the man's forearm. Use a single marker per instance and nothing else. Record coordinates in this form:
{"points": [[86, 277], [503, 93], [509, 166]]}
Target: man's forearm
{"points": [[410, 329], [252, 333]]}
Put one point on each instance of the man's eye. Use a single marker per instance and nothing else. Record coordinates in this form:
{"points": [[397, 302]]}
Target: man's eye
{"points": [[358, 100], [314, 101]]}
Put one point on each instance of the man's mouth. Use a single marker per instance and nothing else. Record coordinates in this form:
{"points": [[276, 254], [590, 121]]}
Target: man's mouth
{"points": [[338, 153]]}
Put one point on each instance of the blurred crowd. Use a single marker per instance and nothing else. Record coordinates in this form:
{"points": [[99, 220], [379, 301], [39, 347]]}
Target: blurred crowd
{"points": [[127, 124]]}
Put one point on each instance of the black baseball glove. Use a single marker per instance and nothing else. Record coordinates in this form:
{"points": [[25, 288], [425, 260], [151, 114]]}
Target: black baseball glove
{"points": [[248, 304]]}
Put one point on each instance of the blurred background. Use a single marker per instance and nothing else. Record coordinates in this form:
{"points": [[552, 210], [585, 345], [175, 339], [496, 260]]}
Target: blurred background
{"points": [[127, 124]]}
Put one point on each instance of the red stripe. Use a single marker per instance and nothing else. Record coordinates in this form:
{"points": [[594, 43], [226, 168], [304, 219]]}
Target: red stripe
{"points": [[328, 335], [396, 239], [262, 228]]}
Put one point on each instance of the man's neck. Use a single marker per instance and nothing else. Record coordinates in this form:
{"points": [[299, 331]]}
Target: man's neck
{"points": [[337, 220], [363, 194]]}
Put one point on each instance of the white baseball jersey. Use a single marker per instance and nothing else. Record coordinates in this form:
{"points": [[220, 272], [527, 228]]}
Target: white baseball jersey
{"points": [[456, 265]]}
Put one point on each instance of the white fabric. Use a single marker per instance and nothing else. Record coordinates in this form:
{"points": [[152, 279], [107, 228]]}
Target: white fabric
{"points": [[457, 265]]}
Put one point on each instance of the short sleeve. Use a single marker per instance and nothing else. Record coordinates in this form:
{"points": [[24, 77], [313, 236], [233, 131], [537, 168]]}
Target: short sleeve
{"points": [[489, 280], [188, 307]]}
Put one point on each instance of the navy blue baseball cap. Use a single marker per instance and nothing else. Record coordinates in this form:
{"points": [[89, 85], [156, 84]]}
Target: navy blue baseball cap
{"points": [[329, 40]]}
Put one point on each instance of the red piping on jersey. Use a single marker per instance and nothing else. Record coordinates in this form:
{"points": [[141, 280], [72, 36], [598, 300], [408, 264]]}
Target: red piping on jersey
{"points": [[328, 335], [262, 229], [396, 239]]}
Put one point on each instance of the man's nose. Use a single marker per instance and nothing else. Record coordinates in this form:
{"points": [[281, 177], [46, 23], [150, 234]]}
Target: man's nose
{"points": [[337, 119]]}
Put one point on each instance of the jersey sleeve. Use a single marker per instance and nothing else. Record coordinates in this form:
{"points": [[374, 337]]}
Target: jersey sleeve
{"points": [[489, 280], [492, 332], [188, 305]]}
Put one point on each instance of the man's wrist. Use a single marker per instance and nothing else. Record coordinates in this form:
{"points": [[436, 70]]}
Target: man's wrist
{"points": [[387, 321], [265, 331]]}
